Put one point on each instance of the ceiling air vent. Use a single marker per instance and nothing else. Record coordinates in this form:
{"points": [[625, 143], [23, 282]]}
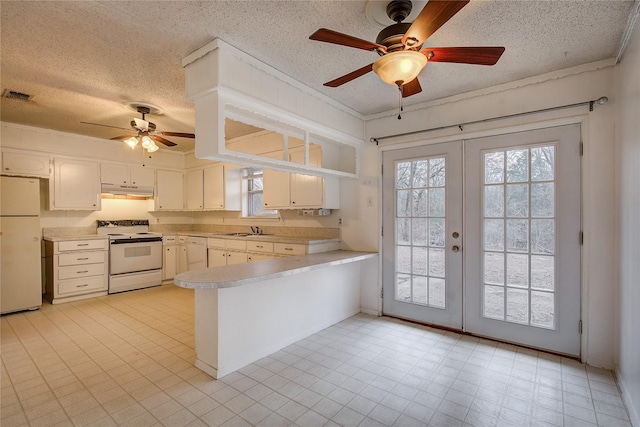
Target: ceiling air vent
{"points": [[14, 94]]}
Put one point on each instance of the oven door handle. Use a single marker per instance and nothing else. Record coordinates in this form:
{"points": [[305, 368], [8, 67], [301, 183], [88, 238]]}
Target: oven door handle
{"points": [[140, 240]]}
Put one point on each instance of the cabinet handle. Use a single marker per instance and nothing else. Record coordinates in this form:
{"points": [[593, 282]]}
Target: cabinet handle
{"points": [[293, 202], [259, 246], [83, 244], [82, 259], [7, 169], [288, 249], [82, 286], [83, 271]]}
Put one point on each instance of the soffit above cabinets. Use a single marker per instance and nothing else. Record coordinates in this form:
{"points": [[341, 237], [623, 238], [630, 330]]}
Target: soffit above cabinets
{"points": [[228, 86]]}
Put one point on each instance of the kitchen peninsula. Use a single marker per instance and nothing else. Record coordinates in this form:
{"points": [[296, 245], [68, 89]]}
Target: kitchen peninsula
{"points": [[245, 312]]}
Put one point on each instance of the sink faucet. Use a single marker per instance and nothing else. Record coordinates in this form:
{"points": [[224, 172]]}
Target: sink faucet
{"points": [[256, 230]]}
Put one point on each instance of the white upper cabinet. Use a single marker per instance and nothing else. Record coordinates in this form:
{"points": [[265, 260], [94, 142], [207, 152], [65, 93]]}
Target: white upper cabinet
{"points": [[284, 190], [194, 189], [169, 190], [25, 164], [277, 190], [118, 174], [222, 188], [75, 185], [214, 188]]}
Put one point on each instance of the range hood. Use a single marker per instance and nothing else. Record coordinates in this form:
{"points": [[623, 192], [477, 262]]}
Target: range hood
{"points": [[129, 190]]}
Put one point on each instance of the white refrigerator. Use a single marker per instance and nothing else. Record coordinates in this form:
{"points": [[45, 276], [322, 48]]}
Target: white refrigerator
{"points": [[20, 247]]}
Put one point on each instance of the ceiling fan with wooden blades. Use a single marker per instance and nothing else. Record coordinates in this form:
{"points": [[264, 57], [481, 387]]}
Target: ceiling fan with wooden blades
{"points": [[399, 46], [142, 128]]}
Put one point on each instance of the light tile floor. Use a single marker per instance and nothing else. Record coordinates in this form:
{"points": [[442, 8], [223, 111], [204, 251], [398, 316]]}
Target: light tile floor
{"points": [[127, 359]]}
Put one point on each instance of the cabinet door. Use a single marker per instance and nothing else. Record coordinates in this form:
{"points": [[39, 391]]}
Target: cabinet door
{"points": [[307, 191], [169, 262], [25, 164], [169, 190], [236, 258], [194, 190], [214, 187], [276, 193], [182, 258], [141, 176], [258, 257], [76, 185], [217, 257], [114, 174]]}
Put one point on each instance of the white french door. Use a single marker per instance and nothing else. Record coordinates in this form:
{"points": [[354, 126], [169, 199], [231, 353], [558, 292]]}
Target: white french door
{"points": [[521, 252], [422, 234], [523, 224]]}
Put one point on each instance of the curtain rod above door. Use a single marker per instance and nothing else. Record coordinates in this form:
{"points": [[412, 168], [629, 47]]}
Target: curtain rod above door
{"points": [[600, 101]]}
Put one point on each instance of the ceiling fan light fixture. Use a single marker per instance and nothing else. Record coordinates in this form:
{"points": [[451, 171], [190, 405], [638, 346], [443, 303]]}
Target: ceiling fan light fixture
{"points": [[147, 142], [152, 148], [131, 142], [398, 68]]}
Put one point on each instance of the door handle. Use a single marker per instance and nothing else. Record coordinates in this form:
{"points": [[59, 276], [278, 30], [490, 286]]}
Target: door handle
{"points": [[455, 248]]}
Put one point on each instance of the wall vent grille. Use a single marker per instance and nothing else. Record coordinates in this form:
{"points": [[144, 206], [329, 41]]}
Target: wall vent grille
{"points": [[14, 94]]}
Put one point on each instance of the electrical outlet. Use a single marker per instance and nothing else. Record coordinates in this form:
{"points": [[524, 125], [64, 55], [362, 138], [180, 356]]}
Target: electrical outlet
{"points": [[339, 221]]}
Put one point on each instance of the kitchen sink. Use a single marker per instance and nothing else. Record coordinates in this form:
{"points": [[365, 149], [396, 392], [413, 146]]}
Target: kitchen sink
{"points": [[241, 234]]}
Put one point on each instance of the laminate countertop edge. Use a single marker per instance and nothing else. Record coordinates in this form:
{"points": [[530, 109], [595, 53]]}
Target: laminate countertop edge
{"points": [[243, 274]]}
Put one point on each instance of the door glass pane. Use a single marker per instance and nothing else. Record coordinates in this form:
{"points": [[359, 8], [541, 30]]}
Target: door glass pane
{"points": [[420, 231], [519, 235]]}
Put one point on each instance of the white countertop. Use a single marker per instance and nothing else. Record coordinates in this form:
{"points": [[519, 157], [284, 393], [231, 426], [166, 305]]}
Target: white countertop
{"points": [[68, 237], [256, 237], [252, 272]]}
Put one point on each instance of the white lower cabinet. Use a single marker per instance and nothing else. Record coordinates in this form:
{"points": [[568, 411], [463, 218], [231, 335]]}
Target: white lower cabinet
{"points": [[169, 257], [226, 252], [76, 269], [181, 256]]}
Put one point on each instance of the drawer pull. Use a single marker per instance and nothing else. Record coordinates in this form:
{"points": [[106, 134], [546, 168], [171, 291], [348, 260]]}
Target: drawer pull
{"points": [[82, 259], [83, 271], [83, 244], [259, 246], [288, 249], [82, 286]]}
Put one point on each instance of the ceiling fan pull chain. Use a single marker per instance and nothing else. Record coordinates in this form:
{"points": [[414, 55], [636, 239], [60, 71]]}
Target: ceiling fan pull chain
{"points": [[400, 109]]}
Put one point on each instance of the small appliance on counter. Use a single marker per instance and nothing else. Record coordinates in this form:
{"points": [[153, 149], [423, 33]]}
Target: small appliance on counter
{"points": [[135, 254], [20, 236]]}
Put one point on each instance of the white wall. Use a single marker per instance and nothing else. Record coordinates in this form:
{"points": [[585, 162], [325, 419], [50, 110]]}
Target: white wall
{"points": [[628, 227], [361, 229]]}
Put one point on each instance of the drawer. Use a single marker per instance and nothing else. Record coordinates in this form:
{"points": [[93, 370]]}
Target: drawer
{"points": [[76, 245], [289, 249], [215, 243], [76, 271], [239, 245], [168, 240], [79, 258], [260, 247], [81, 286]]}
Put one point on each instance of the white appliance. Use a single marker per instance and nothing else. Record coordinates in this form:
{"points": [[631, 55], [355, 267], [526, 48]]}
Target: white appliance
{"points": [[196, 252], [135, 254], [20, 237]]}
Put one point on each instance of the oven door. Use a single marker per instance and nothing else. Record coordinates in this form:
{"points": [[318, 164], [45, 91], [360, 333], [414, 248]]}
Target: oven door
{"points": [[128, 257]]}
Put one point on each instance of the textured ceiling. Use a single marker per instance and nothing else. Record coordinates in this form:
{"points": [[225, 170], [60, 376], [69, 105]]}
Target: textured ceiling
{"points": [[82, 60]]}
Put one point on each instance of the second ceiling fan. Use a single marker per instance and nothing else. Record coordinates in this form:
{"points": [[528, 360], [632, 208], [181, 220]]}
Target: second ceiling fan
{"points": [[399, 45]]}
